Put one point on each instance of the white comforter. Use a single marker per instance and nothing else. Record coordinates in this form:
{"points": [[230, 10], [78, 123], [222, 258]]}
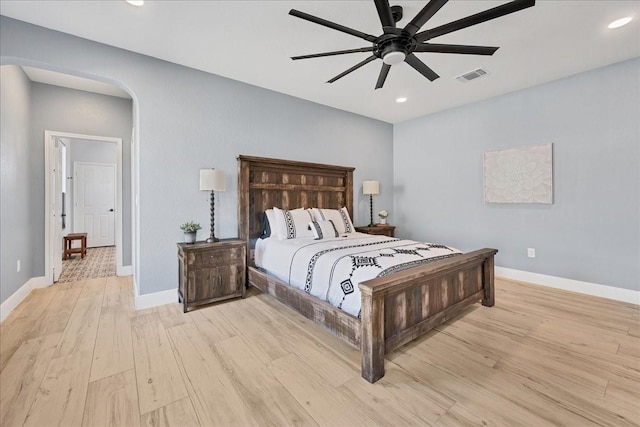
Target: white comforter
{"points": [[331, 269]]}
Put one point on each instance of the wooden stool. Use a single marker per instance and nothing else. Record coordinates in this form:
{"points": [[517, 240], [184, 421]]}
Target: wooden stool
{"points": [[68, 241]]}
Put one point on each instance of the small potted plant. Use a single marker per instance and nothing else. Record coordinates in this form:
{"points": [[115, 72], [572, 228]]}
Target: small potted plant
{"points": [[383, 216], [190, 230]]}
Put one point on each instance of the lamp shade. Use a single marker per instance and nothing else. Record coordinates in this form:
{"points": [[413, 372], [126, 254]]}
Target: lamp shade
{"points": [[370, 187], [212, 180]]}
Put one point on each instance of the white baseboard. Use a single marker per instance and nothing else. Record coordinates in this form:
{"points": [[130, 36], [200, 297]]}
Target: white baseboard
{"points": [[588, 288], [126, 270], [141, 301], [166, 297], [18, 296], [40, 282], [156, 299]]}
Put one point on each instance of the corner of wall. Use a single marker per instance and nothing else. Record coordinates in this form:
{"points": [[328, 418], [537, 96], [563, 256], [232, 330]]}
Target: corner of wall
{"points": [[155, 299]]}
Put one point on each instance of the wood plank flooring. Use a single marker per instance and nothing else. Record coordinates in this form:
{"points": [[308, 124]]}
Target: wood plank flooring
{"points": [[78, 354]]}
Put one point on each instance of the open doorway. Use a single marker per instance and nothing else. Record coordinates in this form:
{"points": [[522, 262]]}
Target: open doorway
{"points": [[39, 101], [97, 113], [83, 182]]}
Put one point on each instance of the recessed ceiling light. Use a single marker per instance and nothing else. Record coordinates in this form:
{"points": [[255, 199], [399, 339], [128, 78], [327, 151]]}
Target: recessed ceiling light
{"points": [[620, 22], [136, 2], [402, 99]]}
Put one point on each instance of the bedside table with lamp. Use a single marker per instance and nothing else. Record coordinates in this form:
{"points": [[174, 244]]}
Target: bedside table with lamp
{"points": [[214, 270], [372, 188]]}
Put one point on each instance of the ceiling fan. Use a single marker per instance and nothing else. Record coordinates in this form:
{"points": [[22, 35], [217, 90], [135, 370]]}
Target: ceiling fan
{"points": [[396, 45]]}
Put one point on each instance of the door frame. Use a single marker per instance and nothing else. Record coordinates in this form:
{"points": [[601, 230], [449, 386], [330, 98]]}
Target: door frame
{"points": [[49, 141], [56, 190]]}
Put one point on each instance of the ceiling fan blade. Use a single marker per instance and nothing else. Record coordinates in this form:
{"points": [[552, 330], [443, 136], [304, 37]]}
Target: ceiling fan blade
{"points": [[333, 25], [477, 18], [337, 52], [355, 67], [424, 15], [456, 48], [383, 75], [421, 67], [384, 12]]}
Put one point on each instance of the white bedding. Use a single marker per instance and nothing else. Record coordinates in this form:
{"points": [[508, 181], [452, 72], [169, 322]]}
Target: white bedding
{"points": [[331, 269]]}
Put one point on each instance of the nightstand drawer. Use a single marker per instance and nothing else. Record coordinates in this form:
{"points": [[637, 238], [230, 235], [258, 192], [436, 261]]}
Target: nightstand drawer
{"points": [[218, 257]]}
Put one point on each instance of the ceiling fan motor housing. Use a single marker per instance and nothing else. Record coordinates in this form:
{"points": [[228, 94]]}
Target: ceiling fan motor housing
{"points": [[394, 48]]}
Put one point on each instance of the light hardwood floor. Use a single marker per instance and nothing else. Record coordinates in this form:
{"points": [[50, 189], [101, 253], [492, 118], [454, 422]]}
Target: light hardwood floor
{"points": [[79, 354]]}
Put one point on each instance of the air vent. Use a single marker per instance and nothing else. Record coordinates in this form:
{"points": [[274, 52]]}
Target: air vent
{"points": [[472, 75]]}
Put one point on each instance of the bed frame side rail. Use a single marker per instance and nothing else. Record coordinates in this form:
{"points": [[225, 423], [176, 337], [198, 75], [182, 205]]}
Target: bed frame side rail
{"points": [[400, 307], [338, 322]]}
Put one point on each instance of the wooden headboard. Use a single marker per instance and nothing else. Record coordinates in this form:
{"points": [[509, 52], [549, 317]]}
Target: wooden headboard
{"points": [[264, 183]]}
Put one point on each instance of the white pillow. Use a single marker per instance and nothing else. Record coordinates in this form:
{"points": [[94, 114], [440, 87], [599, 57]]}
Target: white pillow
{"points": [[323, 229], [340, 218], [292, 224]]}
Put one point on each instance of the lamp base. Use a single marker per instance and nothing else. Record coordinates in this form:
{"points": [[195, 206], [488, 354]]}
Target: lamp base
{"points": [[212, 237], [371, 224]]}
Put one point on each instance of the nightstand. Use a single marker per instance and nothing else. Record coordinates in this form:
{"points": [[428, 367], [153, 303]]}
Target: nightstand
{"points": [[209, 272], [379, 229]]}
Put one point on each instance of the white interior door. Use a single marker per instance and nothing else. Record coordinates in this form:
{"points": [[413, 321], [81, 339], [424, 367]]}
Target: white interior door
{"points": [[56, 211], [95, 202]]}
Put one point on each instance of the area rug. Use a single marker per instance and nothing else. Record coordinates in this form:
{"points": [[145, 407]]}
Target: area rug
{"points": [[98, 262]]}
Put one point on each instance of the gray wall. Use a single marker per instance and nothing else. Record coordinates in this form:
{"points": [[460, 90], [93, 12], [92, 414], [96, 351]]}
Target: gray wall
{"points": [[15, 181], [83, 150], [188, 120], [75, 111], [591, 232]]}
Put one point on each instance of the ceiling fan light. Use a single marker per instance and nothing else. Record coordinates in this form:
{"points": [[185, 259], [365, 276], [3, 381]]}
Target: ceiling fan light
{"points": [[393, 58], [620, 22]]}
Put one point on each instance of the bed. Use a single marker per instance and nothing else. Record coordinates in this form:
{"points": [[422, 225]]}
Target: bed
{"points": [[395, 308]]}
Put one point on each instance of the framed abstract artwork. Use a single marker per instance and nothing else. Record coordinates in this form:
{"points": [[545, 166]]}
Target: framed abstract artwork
{"points": [[519, 175]]}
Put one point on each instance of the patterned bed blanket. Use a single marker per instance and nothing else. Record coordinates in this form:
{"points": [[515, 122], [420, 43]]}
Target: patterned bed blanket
{"points": [[331, 269]]}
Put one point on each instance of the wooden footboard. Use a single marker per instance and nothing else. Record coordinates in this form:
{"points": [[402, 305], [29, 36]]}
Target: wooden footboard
{"points": [[396, 308], [402, 306]]}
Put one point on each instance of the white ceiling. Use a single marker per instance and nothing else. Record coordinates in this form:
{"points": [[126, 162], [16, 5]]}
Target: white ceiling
{"points": [[251, 41]]}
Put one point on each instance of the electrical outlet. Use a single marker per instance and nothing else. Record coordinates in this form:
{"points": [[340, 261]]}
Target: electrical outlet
{"points": [[18, 267], [531, 252]]}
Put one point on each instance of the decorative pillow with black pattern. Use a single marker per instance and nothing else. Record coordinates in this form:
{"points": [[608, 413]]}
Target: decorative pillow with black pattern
{"points": [[340, 218], [292, 224], [323, 229]]}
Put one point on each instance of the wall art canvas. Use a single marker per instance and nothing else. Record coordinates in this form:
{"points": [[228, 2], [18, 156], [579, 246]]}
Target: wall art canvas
{"points": [[519, 175]]}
